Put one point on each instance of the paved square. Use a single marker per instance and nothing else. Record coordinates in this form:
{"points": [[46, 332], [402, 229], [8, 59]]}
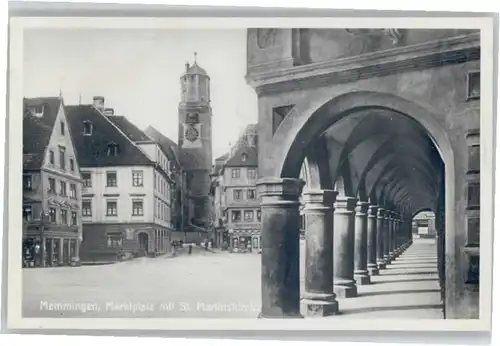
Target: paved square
{"points": [[220, 285]]}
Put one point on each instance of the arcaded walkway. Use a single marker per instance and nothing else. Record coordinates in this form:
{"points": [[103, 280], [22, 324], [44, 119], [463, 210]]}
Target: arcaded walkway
{"points": [[408, 288]]}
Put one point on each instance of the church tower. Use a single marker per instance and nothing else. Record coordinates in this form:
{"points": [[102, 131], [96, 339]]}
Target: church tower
{"points": [[195, 143]]}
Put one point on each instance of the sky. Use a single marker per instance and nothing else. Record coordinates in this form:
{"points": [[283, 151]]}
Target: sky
{"points": [[138, 72]]}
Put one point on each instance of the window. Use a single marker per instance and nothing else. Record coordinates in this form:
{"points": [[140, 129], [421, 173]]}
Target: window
{"points": [[74, 218], [154, 181], [51, 157], [236, 215], [72, 191], [248, 215], [137, 208], [87, 208], [252, 173], [27, 212], [251, 194], [244, 157], [111, 179], [63, 191], [235, 172], [137, 178], [87, 128], [72, 165], [62, 158], [473, 85], [27, 182], [111, 208], [258, 215], [64, 216], [52, 185], [36, 111], [52, 215], [112, 149], [114, 239], [62, 128], [237, 194], [193, 118], [87, 179]]}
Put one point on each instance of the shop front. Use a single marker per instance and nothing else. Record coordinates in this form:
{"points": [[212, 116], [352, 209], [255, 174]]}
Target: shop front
{"points": [[245, 240], [57, 251]]}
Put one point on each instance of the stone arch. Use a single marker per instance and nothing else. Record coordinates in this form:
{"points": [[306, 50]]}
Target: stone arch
{"points": [[315, 166], [301, 127]]}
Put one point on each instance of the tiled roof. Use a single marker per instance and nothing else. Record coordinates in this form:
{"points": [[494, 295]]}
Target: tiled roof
{"points": [[218, 167], [37, 129], [243, 157], [132, 131], [92, 150], [165, 143]]}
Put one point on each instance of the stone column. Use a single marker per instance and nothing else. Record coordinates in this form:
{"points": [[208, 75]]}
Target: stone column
{"points": [[361, 244], [372, 240], [392, 235], [61, 251], [343, 248], [318, 213], [387, 237], [395, 240], [280, 224], [380, 238], [70, 255], [77, 250]]}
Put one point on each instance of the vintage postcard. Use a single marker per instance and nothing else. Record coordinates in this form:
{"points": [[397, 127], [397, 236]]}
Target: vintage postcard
{"points": [[250, 173]]}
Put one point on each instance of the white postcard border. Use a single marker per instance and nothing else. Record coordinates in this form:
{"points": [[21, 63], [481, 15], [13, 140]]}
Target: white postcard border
{"points": [[14, 275]]}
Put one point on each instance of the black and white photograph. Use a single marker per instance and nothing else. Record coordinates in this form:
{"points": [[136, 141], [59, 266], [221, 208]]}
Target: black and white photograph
{"points": [[330, 175]]}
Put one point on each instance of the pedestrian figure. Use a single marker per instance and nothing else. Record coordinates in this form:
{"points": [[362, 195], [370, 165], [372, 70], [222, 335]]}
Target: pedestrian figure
{"points": [[190, 249]]}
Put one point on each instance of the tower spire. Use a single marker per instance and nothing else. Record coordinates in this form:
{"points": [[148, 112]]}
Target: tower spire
{"points": [[195, 54]]}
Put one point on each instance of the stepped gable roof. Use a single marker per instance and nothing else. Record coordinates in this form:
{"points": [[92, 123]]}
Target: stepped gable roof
{"points": [[133, 132], [92, 150], [37, 129], [165, 143], [243, 157]]}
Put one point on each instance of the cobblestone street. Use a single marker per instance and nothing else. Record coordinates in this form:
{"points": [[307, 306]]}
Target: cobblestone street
{"points": [[216, 285]]}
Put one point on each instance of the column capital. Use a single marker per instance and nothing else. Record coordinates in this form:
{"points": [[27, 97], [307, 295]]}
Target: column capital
{"points": [[344, 204], [372, 210], [279, 191], [319, 197], [388, 214], [361, 208], [381, 212]]}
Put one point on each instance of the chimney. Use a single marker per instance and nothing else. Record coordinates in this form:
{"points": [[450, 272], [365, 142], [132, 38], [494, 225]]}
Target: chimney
{"points": [[99, 102], [187, 66], [109, 111]]}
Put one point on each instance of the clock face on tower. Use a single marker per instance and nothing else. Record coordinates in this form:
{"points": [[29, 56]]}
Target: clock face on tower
{"points": [[191, 133]]}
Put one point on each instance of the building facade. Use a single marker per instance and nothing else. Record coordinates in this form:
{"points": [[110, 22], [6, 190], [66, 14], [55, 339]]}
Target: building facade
{"points": [[126, 197], [236, 203], [51, 186]]}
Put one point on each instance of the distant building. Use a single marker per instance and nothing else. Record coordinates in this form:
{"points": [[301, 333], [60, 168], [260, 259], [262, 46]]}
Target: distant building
{"points": [[424, 225], [179, 205], [195, 148], [52, 186], [127, 186], [236, 204]]}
